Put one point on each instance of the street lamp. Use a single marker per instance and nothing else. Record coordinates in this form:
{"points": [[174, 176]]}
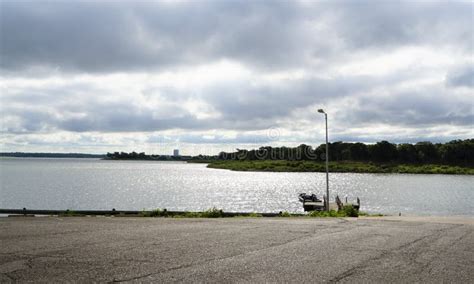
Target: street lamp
{"points": [[327, 159]]}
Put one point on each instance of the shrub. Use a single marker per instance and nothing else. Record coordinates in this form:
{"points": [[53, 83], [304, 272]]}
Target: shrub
{"points": [[69, 213], [191, 215], [350, 211], [331, 213], [155, 213], [212, 213], [315, 213]]}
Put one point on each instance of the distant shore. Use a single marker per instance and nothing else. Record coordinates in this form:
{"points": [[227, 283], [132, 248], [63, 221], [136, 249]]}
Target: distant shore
{"points": [[339, 167], [50, 155], [280, 165]]}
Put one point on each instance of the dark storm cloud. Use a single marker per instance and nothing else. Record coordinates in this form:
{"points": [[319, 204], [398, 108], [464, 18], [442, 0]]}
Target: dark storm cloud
{"points": [[124, 36], [113, 36]]}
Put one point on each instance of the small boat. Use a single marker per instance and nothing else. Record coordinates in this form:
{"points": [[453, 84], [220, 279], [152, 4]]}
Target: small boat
{"points": [[308, 197], [311, 202]]}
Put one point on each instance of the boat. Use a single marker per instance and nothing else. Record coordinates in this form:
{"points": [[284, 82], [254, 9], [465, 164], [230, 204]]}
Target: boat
{"points": [[311, 202]]}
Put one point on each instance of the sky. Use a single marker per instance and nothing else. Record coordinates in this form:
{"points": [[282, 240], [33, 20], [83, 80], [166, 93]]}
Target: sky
{"points": [[210, 76]]}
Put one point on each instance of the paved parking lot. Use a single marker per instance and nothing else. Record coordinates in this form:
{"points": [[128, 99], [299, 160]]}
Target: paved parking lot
{"points": [[107, 249]]}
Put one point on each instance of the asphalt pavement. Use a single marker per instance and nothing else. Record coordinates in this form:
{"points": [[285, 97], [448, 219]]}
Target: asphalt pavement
{"points": [[229, 250]]}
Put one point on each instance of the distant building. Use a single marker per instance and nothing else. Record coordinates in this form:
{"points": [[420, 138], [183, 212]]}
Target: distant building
{"points": [[176, 153]]}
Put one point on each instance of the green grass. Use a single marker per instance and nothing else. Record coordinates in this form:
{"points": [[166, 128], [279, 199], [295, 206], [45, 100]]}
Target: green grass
{"points": [[155, 213], [214, 212], [331, 213], [69, 213], [365, 214], [347, 211], [210, 213], [218, 213], [340, 167], [285, 214]]}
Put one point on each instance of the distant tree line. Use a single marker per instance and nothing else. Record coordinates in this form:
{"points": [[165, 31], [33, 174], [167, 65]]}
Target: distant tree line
{"points": [[50, 155], [453, 152], [143, 156], [459, 152]]}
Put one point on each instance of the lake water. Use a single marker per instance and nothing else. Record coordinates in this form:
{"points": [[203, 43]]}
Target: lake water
{"points": [[135, 185]]}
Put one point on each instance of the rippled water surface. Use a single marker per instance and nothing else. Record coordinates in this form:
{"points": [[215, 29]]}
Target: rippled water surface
{"points": [[135, 185]]}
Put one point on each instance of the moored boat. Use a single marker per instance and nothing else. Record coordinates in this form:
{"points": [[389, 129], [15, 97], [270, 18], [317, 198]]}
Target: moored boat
{"points": [[311, 202]]}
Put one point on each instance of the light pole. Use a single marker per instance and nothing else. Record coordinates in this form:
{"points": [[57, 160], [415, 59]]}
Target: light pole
{"points": [[327, 159]]}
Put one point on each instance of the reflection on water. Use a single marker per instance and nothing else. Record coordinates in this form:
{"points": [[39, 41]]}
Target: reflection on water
{"points": [[135, 185]]}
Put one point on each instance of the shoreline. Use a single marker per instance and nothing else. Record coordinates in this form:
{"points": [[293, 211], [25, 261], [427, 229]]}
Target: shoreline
{"points": [[299, 166], [339, 167], [216, 213]]}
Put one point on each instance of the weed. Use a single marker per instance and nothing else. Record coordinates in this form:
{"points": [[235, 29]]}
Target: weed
{"points": [[350, 211], [155, 213], [212, 213], [284, 214]]}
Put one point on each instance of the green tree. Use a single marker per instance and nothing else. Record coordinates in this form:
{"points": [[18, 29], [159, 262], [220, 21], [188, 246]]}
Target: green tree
{"points": [[407, 153], [426, 152], [358, 152], [383, 151]]}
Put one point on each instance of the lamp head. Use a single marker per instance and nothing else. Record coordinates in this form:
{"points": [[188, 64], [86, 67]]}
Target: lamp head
{"points": [[321, 110]]}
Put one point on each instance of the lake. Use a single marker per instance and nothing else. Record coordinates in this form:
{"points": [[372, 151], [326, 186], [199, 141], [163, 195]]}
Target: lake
{"points": [[75, 184]]}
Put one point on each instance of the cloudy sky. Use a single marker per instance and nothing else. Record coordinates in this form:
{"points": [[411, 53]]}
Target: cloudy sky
{"points": [[206, 76]]}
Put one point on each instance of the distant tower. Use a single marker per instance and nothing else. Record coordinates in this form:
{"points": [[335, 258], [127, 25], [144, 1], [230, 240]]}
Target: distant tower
{"points": [[176, 152]]}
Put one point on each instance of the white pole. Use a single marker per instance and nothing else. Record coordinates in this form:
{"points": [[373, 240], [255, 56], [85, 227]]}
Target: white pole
{"points": [[327, 163]]}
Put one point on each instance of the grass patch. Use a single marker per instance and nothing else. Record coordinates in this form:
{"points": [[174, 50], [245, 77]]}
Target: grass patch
{"points": [[365, 214], [347, 211], [191, 215], [155, 213], [69, 213], [253, 215], [350, 211], [331, 213], [284, 214], [212, 213]]}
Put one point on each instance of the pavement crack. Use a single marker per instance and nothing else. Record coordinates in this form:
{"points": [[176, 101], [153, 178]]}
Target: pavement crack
{"points": [[9, 277], [383, 254]]}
